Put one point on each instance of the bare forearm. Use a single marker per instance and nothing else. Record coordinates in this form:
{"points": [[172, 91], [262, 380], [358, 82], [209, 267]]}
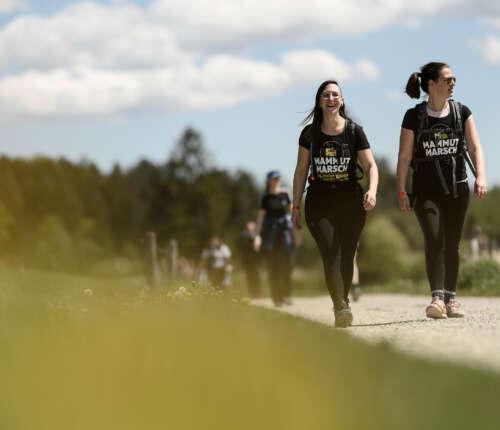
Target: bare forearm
{"points": [[259, 221], [402, 173], [299, 182], [478, 159], [373, 178]]}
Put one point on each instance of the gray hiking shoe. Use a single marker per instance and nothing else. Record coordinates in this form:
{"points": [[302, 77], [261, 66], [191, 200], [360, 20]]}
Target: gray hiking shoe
{"points": [[343, 317]]}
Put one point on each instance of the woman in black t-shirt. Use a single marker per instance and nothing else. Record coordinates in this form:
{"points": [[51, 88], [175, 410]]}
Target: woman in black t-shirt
{"points": [[275, 239], [335, 207], [435, 135]]}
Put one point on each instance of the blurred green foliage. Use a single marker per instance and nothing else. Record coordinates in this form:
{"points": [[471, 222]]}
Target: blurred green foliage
{"points": [[60, 215], [482, 275], [70, 216], [81, 353], [384, 253]]}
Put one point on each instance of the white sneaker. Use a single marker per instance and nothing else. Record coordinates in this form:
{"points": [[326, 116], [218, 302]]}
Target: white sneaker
{"points": [[453, 309], [436, 309]]}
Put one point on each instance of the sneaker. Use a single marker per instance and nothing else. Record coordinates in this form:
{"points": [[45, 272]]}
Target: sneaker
{"points": [[453, 309], [343, 317], [436, 309]]}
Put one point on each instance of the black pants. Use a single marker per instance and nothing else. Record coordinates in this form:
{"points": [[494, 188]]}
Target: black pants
{"points": [[216, 277], [251, 267], [279, 261], [335, 218], [441, 218]]}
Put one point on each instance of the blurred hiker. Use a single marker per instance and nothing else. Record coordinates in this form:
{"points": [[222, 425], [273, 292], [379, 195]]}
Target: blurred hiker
{"points": [[335, 205], [275, 238], [216, 260], [355, 289], [437, 136], [250, 258]]}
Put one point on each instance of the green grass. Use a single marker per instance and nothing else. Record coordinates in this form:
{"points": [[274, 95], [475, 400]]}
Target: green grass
{"points": [[80, 353]]}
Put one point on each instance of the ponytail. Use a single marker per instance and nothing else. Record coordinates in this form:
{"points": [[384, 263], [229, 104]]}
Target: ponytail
{"points": [[413, 86], [420, 80]]}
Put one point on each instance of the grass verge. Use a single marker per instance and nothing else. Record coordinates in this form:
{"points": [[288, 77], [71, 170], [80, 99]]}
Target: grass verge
{"points": [[79, 353]]}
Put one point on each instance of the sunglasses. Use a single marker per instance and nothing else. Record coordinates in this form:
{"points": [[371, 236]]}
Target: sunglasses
{"points": [[450, 79]]}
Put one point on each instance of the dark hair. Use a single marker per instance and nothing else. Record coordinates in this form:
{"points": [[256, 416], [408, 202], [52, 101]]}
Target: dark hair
{"points": [[421, 79], [317, 113]]}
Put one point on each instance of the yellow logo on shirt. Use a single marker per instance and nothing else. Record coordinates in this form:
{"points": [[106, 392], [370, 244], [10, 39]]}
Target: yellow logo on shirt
{"points": [[330, 152]]}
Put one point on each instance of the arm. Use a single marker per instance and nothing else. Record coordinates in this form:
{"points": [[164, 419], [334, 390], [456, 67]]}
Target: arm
{"points": [[296, 232], [258, 226], [365, 157], [227, 259], [299, 183], [404, 159], [474, 148]]}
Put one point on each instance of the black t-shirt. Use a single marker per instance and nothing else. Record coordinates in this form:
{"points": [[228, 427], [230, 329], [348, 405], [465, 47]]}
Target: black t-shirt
{"points": [[332, 159], [275, 205], [438, 142]]}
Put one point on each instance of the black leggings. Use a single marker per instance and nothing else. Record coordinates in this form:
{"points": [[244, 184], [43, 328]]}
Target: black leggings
{"points": [[335, 219], [279, 268], [441, 218]]}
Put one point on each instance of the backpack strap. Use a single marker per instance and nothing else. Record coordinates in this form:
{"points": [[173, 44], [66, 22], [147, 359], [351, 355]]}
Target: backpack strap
{"points": [[350, 135], [456, 108], [309, 135], [422, 122]]}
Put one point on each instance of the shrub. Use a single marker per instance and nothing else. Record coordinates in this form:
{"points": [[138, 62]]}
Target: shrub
{"points": [[482, 275], [384, 254]]}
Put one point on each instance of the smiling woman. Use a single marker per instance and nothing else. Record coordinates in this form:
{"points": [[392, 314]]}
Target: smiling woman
{"points": [[335, 205]]}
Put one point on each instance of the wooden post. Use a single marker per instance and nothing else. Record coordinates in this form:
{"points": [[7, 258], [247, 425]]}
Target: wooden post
{"points": [[152, 250], [173, 255]]}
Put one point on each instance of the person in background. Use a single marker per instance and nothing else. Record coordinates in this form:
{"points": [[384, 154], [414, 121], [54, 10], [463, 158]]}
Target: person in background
{"points": [[216, 261], [335, 205], [355, 289], [436, 138], [275, 238], [250, 258]]}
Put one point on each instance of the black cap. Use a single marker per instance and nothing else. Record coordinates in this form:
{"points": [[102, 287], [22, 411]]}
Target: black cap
{"points": [[273, 174]]}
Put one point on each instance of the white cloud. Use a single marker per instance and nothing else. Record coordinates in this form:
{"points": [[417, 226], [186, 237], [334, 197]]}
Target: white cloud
{"points": [[89, 35], [490, 49], [125, 35], [493, 22], [221, 81], [220, 23], [99, 59], [9, 6]]}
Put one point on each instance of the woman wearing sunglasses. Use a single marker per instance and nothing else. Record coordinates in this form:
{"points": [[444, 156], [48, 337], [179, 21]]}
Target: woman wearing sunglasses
{"points": [[436, 139]]}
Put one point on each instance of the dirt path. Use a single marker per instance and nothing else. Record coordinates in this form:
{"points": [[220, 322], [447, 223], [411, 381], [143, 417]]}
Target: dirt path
{"points": [[400, 320]]}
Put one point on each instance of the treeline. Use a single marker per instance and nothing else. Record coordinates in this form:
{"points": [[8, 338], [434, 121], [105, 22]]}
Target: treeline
{"points": [[62, 215], [70, 216]]}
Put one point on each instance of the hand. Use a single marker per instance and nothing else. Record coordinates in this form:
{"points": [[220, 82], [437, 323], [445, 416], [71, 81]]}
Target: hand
{"points": [[480, 188], [404, 202], [296, 218], [369, 200], [257, 242]]}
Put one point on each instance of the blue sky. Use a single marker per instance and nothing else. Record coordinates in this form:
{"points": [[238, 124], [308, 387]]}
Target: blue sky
{"points": [[118, 81]]}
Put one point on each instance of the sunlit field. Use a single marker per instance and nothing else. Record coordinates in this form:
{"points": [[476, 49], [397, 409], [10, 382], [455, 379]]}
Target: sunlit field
{"points": [[83, 353]]}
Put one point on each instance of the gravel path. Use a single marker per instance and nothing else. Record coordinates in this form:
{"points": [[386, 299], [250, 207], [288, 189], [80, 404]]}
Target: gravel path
{"points": [[400, 319]]}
